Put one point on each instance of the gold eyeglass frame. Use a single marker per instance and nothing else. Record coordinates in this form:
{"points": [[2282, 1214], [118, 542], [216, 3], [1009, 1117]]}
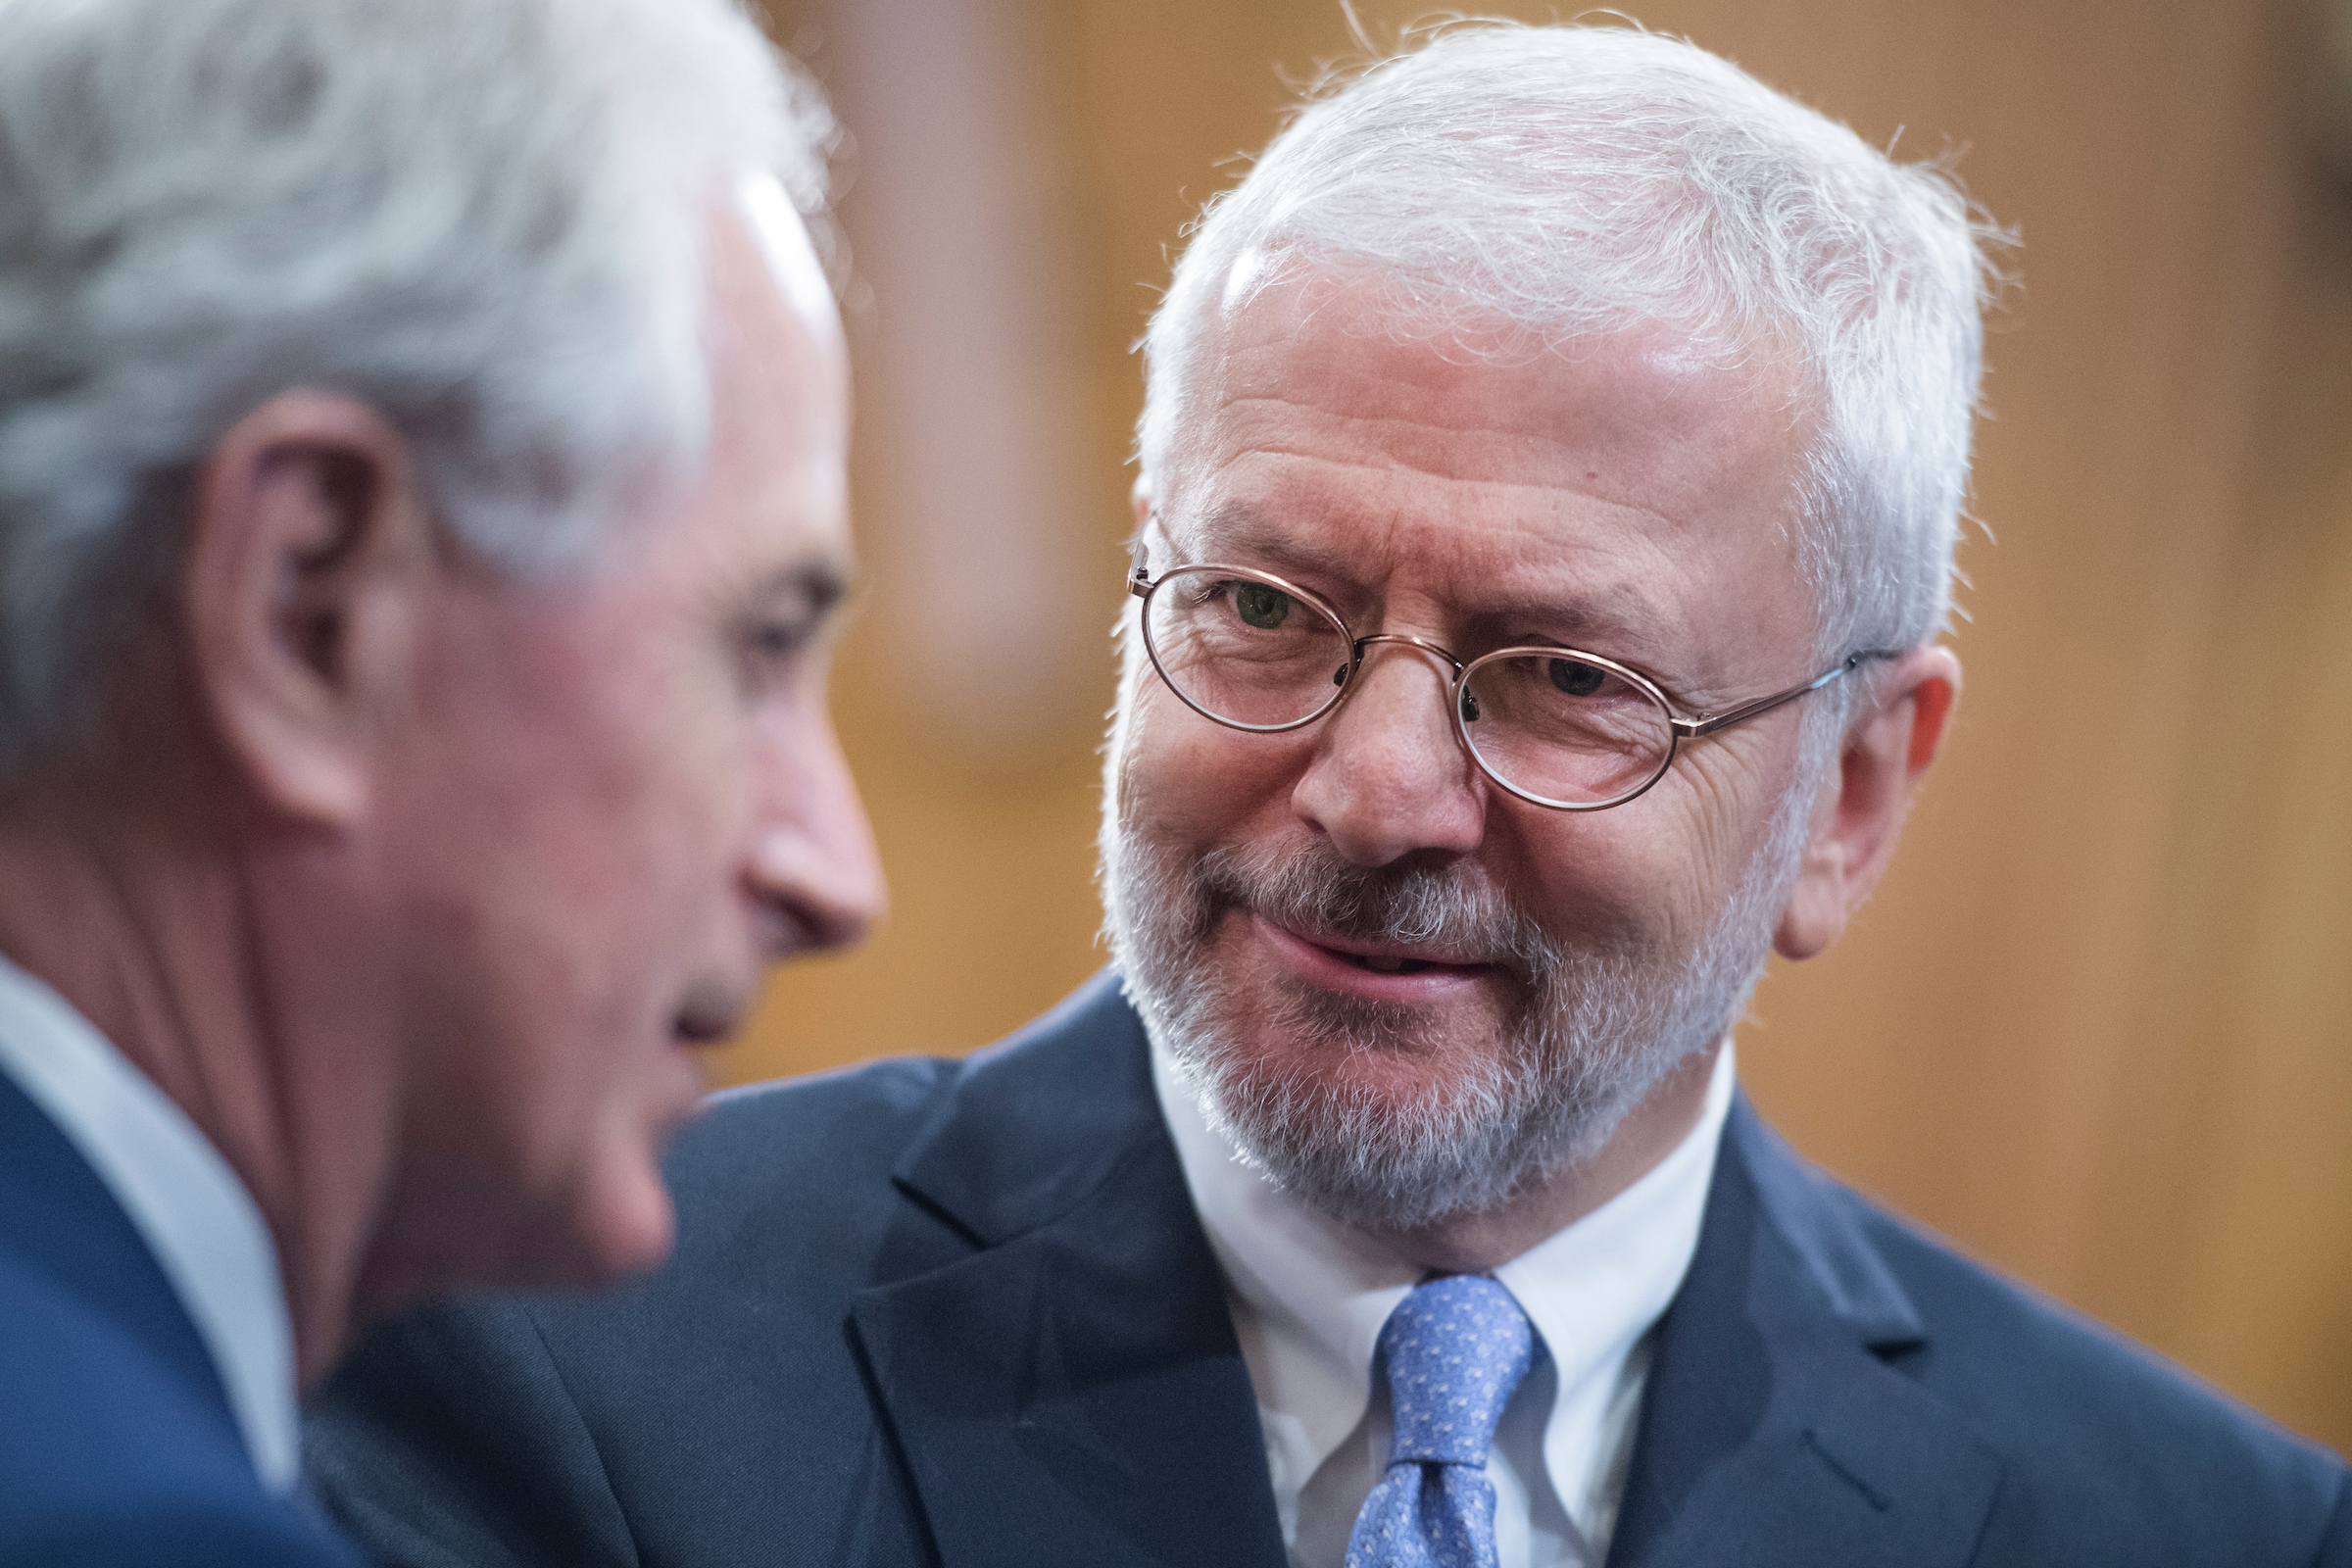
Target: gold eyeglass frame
{"points": [[1680, 727]]}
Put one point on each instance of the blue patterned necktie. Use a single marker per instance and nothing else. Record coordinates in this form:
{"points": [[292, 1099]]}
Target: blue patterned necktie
{"points": [[1455, 1349]]}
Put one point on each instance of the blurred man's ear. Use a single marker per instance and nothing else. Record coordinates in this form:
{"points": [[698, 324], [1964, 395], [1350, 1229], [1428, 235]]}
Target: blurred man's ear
{"points": [[309, 552], [1860, 812]]}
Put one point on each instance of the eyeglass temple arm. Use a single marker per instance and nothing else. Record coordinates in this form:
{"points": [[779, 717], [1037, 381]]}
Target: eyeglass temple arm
{"points": [[1691, 730]]}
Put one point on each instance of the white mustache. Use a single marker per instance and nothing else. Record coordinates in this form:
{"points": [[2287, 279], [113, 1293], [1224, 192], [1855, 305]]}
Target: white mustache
{"points": [[1313, 891]]}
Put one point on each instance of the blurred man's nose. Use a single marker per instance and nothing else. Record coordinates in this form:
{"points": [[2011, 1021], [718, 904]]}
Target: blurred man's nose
{"points": [[814, 859], [1388, 776]]}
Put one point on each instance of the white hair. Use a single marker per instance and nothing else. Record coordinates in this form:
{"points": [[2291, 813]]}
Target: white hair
{"points": [[1512, 189], [486, 219]]}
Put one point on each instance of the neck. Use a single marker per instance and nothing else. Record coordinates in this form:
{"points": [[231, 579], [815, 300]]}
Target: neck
{"points": [[145, 927], [1481, 1242]]}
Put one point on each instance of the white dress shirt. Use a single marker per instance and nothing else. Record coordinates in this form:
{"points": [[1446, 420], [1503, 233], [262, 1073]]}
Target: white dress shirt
{"points": [[195, 1215], [1310, 1296]]}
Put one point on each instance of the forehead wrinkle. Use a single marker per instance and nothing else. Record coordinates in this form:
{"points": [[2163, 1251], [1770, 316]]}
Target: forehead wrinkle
{"points": [[1284, 511], [1629, 410], [1630, 465], [1468, 448]]}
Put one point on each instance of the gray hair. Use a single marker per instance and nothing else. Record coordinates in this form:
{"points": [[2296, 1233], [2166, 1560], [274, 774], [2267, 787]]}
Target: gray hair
{"points": [[486, 219], [1512, 189]]}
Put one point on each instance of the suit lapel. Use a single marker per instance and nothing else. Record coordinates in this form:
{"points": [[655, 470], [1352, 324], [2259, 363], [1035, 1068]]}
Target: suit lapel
{"points": [[59, 1218], [1774, 1429], [1072, 1392]]}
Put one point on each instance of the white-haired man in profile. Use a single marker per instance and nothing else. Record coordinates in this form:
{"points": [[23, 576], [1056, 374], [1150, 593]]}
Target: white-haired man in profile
{"points": [[1549, 474], [421, 432]]}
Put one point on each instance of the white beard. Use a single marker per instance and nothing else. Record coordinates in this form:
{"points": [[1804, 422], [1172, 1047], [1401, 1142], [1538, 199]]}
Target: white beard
{"points": [[1591, 1033]]}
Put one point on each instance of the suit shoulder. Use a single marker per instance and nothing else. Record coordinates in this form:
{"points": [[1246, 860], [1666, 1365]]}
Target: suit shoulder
{"points": [[828, 1128], [114, 1456], [2086, 1402], [180, 1531], [97, 1415]]}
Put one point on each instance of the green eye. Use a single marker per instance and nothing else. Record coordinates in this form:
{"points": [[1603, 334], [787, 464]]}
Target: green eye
{"points": [[1260, 605], [1575, 677]]}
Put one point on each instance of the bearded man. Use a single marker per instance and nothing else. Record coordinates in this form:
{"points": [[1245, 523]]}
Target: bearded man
{"points": [[1549, 472]]}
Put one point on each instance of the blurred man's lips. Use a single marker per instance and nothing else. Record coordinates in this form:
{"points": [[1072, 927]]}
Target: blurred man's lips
{"points": [[711, 1008], [1389, 970], [693, 1028]]}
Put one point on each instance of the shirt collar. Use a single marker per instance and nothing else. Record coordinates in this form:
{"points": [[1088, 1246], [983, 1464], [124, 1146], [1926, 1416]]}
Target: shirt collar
{"points": [[196, 1217], [1319, 1292]]}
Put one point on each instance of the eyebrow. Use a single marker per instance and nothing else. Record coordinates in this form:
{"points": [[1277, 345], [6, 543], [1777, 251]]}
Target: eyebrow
{"points": [[1236, 526], [1614, 610], [1614, 613]]}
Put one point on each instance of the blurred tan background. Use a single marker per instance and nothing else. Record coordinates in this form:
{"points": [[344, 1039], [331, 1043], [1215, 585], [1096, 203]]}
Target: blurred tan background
{"points": [[2097, 1027]]}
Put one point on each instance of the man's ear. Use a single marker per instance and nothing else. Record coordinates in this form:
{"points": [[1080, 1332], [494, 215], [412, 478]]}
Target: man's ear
{"points": [[1141, 501], [1860, 812], [308, 549]]}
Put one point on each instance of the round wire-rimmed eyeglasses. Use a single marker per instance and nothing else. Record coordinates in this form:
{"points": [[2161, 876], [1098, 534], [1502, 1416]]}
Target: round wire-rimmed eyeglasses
{"points": [[1554, 727]]}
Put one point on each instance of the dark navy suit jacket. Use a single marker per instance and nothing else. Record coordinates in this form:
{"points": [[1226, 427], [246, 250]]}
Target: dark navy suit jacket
{"points": [[962, 1313], [118, 1448]]}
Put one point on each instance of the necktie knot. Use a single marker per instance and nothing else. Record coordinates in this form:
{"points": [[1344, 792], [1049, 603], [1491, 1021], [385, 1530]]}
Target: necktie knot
{"points": [[1456, 1347]]}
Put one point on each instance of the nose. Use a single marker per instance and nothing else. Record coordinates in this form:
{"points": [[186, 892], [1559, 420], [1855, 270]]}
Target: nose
{"points": [[814, 859], [1389, 777]]}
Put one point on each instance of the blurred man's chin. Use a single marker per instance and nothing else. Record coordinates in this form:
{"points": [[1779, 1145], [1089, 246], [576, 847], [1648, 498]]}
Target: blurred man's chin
{"points": [[623, 1225], [636, 1245], [612, 1219]]}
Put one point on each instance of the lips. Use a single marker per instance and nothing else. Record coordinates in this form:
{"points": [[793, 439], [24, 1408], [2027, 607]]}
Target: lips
{"points": [[1391, 970], [702, 1028], [1387, 961], [709, 1013]]}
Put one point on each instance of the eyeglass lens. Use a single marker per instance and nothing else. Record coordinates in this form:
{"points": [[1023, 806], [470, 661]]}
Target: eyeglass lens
{"points": [[1564, 730], [1243, 650], [1248, 653]]}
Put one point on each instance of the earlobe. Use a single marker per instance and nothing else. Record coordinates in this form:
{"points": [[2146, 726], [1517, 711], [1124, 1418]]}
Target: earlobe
{"points": [[1817, 908], [1859, 814], [307, 534]]}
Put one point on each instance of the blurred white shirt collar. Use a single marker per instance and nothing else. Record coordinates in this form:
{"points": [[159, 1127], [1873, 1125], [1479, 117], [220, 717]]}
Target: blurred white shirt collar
{"points": [[1310, 1296], [197, 1219]]}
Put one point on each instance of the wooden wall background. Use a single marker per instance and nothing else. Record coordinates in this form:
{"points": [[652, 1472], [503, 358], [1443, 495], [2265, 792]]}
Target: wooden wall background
{"points": [[2097, 1027]]}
